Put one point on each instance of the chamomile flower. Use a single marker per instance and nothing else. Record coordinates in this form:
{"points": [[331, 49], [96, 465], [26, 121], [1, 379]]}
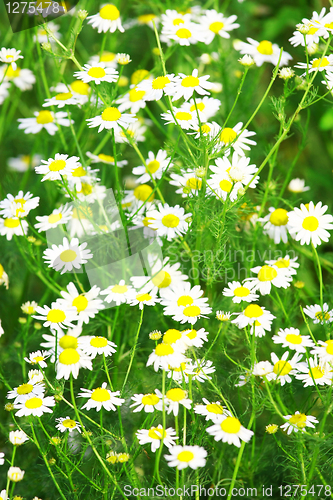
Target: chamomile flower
{"points": [[195, 338], [67, 424], [314, 372], [147, 402], [154, 87], [162, 276], [43, 37], [186, 456], [262, 369], [107, 19], [185, 85], [180, 374], [155, 435], [214, 23], [134, 100], [143, 297], [19, 205], [62, 340], [4, 280], [97, 73], [104, 158], [308, 224], [324, 351], [61, 100], [164, 355], [205, 107], [35, 406], [138, 198], [15, 474], [275, 224], [268, 276], [94, 345], [200, 370], [133, 133], [290, 337], [61, 215], [318, 314], [297, 185], [3, 495], [286, 263], [230, 431], [87, 304], [297, 422], [240, 292], [108, 58], [155, 166], [118, 293], [38, 358], [54, 168], [175, 18], [184, 119], [314, 29], [318, 64], [101, 397], [284, 368], [212, 411], [22, 78], [111, 118], [22, 163], [174, 398], [169, 221], [2, 458], [24, 391], [17, 438], [264, 51], [185, 304], [70, 361], [44, 119], [185, 34], [67, 256], [35, 375], [77, 88], [256, 316], [11, 226], [57, 316], [237, 138], [10, 56], [188, 183]]}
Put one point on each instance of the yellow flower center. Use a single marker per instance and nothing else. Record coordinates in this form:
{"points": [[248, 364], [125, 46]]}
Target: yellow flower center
{"points": [[24, 389], [279, 217], [225, 185], [69, 356], [13, 73], [310, 223], [56, 316], [107, 57], [329, 25], [157, 433], [68, 256], [171, 336], [184, 300], [109, 12], [136, 95], [11, 223], [312, 31], [317, 372], [294, 339], [80, 87], [282, 263], [228, 135], [320, 62], [64, 96], [199, 105], [205, 129], [267, 273], [79, 172], [142, 297], [282, 368], [57, 165], [185, 456], [170, 220], [150, 399], [160, 82], [119, 289], [104, 157], [86, 189], [178, 21], [253, 311], [163, 350], [97, 72], [191, 334], [37, 359], [190, 81], [231, 425], [144, 192], [194, 183], [69, 423], [54, 218], [183, 33], [99, 342], [100, 395], [146, 18], [68, 342], [265, 47], [162, 279], [192, 311], [216, 27], [319, 315], [111, 114], [81, 213], [176, 394], [241, 291], [183, 116], [298, 419], [33, 403], [153, 166], [214, 408], [329, 348], [138, 76], [44, 117], [80, 302]]}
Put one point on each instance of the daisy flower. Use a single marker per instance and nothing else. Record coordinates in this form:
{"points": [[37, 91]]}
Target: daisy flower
{"points": [[205, 107], [70, 339], [188, 182], [4, 280], [37, 358], [239, 141], [140, 196], [314, 372], [155, 435], [70, 361], [15, 474], [94, 345], [185, 304], [262, 369], [57, 316], [43, 37], [109, 58], [22, 163], [230, 431], [286, 263], [54, 168], [184, 119], [174, 398], [185, 34], [133, 133], [169, 221], [319, 315], [154, 167], [195, 338], [275, 224], [200, 370], [184, 85], [61, 100], [264, 51], [308, 224], [24, 391], [61, 215], [67, 424], [147, 402], [101, 397], [35, 405], [13, 225], [67, 256], [283, 368], [77, 88], [268, 276], [97, 73], [175, 18], [22, 78], [44, 119], [297, 185], [180, 374], [107, 19], [144, 297], [87, 304], [18, 206], [290, 337], [111, 118], [214, 23], [186, 456], [117, 293], [297, 422], [154, 87], [315, 29], [162, 276], [107, 159], [255, 315], [2, 459], [164, 355], [318, 64], [133, 100], [324, 350], [240, 292], [10, 56], [3, 495], [17, 438], [212, 411]]}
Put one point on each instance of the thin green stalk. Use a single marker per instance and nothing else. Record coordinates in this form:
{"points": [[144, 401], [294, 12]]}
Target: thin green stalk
{"points": [[133, 351]]}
